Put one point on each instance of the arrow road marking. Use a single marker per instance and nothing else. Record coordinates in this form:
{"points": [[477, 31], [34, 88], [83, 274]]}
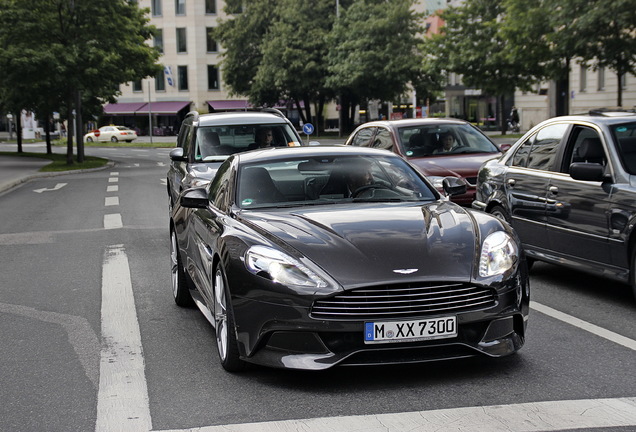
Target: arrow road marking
{"points": [[57, 186]]}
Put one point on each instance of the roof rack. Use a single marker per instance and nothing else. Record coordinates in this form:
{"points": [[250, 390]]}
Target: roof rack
{"points": [[612, 112], [252, 109]]}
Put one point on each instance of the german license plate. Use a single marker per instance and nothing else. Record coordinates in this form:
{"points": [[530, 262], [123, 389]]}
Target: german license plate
{"points": [[410, 331]]}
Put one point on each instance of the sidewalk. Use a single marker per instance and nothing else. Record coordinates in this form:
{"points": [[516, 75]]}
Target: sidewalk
{"points": [[15, 170]]}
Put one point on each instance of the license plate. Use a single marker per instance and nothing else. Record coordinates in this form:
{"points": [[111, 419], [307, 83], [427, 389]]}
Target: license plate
{"points": [[410, 331]]}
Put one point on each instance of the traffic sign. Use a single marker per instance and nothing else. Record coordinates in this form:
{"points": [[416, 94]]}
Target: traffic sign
{"points": [[308, 128], [96, 132]]}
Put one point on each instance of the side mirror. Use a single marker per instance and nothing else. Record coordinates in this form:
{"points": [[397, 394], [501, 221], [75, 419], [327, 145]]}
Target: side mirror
{"points": [[194, 198], [454, 186], [586, 171], [176, 154]]}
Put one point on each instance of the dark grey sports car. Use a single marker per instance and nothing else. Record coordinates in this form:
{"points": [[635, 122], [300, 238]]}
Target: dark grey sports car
{"points": [[311, 257]]}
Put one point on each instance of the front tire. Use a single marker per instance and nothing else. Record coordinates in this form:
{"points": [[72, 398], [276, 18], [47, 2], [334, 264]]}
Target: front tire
{"points": [[89, 139], [180, 290], [500, 213], [114, 139], [225, 327]]}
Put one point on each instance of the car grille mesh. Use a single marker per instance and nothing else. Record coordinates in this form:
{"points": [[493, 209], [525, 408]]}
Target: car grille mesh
{"points": [[402, 301]]}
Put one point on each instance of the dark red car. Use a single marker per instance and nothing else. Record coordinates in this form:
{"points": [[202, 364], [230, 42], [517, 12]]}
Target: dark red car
{"points": [[437, 147]]}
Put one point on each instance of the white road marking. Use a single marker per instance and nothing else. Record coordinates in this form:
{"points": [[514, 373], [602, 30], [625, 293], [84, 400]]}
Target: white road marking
{"points": [[114, 173], [527, 417], [112, 221], [114, 188], [122, 399], [113, 179], [57, 187], [164, 181], [161, 164], [111, 201], [584, 325]]}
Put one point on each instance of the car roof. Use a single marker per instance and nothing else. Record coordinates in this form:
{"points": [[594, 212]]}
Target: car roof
{"points": [[597, 117], [239, 118], [415, 122], [279, 153]]}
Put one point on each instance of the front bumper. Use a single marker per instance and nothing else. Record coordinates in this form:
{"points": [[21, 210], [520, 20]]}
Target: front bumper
{"points": [[287, 337]]}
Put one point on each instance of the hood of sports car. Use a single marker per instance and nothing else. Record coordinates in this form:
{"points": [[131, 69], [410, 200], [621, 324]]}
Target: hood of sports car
{"points": [[365, 244]]}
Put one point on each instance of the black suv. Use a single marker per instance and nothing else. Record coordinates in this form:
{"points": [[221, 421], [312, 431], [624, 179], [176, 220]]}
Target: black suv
{"points": [[568, 187], [206, 140]]}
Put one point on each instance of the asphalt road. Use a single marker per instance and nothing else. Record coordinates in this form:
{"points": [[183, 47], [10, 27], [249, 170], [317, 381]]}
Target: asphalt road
{"points": [[92, 339]]}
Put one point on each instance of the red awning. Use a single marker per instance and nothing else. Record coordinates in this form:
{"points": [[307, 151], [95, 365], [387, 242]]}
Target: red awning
{"points": [[123, 108], [229, 104], [164, 107]]}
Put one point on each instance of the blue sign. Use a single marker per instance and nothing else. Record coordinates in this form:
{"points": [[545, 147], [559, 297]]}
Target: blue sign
{"points": [[308, 128]]}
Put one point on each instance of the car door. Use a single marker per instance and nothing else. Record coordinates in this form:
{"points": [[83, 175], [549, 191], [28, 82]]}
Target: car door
{"points": [[105, 133], [578, 222], [178, 170], [527, 181]]}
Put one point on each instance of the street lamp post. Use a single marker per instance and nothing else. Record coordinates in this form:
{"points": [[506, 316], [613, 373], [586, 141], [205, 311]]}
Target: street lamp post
{"points": [[149, 113]]}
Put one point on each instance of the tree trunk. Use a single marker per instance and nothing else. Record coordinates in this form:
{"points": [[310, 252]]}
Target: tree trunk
{"points": [[619, 101], [78, 127], [69, 131], [18, 130], [301, 113], [503, 119]]}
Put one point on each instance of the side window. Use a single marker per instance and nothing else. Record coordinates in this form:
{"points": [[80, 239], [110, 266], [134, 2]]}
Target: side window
{"points": [[185, 133], [383, 140], [586, 147], [545, 147], [363, 137], [219, 188], [520, 158]]}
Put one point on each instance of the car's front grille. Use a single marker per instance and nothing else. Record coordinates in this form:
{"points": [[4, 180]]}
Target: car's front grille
{"points": [[403, 301]]}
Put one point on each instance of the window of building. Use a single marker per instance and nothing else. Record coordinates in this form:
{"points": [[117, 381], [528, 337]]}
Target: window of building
{"points": [[182, 45], [182, 76], [583, 79], [210, 6], [160, 81], [213, 77], [155, 7], [211, 43], [136, 85], [159, 40], [179, 7], [600, 75]]}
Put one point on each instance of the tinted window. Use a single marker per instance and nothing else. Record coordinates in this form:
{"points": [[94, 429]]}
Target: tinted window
{"points": [[383, 139], [520, 158], [545, 145], [363, 137], [585, 146], [625, 137], [226, 140], [428, 140]]}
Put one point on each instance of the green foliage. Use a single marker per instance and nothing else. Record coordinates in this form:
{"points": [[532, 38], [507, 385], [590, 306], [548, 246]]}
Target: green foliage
{"points": [[373, 51], [49, 49]]}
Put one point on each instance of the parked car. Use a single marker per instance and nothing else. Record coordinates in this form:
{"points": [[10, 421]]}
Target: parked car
{"points": [[299, 264], [112, 134], [420, 141], [568, 187], [206, 140]]}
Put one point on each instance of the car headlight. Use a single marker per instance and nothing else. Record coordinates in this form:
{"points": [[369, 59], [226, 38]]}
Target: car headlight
{"points": [[499, 253], [281, 268]]}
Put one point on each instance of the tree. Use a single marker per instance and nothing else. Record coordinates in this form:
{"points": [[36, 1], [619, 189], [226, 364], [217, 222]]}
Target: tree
{"points": [[373, 53], [472, 44], [69, 53], [610, 28], [294, 50]]}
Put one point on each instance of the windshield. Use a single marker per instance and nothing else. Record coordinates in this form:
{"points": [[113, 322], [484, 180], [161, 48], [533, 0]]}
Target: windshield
{"points": [[329, 180], [625, 137], [213, 141], [443, 139]]}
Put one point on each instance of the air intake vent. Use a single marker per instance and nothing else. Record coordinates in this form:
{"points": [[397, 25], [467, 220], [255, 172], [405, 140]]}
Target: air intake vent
{"points": [[403, 301]]}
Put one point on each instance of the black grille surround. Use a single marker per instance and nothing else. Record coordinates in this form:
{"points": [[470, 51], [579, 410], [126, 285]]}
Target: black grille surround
{"points": [[402, 301]]}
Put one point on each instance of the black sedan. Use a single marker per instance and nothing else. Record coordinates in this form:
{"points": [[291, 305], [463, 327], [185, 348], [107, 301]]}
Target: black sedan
{"points": [[568, 188], [310, 257]]}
